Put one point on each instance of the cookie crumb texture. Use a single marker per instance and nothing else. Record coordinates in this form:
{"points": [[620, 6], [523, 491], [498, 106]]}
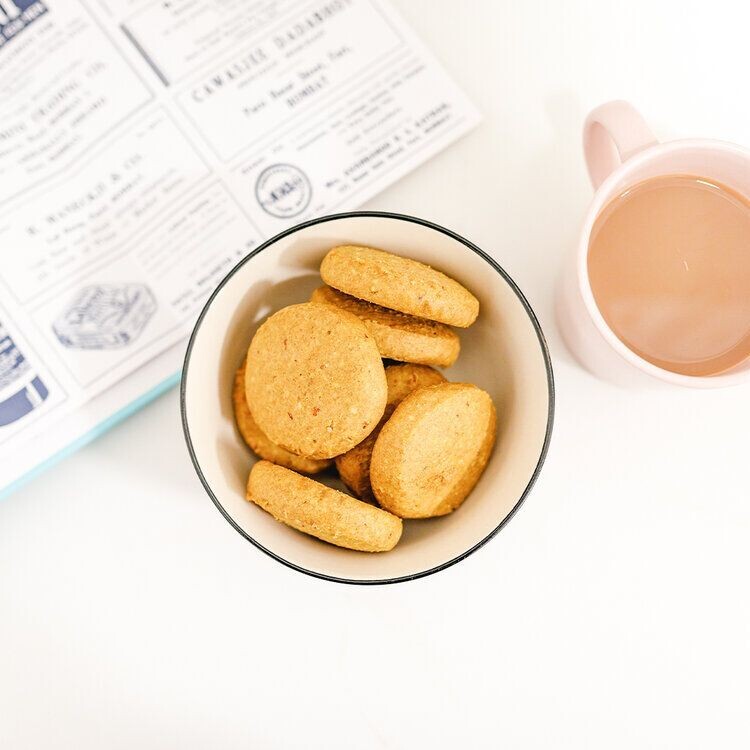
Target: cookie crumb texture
{"points": [[354, 465], [259, 443], [398, 336], [314, 380], [399, 283], [432, 451], [325, 513]]}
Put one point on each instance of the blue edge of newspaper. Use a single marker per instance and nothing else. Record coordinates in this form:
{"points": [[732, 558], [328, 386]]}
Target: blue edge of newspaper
{"points": [[95, 432]]}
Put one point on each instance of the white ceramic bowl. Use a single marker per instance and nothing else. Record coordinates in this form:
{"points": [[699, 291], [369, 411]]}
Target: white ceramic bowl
{"points": [[504, 352]]}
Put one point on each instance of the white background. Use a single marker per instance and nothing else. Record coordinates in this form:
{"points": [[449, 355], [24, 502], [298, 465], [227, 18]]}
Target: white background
{"points": [[612, 612]]}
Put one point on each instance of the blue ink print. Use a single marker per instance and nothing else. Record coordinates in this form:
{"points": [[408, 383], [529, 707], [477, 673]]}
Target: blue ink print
{"points": [[105, 316], [21, 390], [17, 15]]}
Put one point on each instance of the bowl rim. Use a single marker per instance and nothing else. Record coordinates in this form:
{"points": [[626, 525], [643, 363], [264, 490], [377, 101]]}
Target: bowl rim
{"points": [[493, 264]]}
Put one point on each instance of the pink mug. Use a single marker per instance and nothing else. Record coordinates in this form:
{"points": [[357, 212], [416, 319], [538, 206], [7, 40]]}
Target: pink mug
{"points": [[621, 151]]}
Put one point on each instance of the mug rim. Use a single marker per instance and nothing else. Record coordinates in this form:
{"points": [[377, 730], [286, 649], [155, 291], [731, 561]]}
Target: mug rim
{"points": [[537, 329], [598, 202]]}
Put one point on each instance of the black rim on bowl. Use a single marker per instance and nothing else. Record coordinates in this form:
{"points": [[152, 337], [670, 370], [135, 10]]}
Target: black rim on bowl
{"points": [[542, 343]]}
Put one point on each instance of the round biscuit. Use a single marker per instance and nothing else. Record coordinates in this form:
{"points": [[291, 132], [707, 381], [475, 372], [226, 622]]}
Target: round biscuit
{"points": [[354, 465], [405, 379], [314, 380], [259, 443], [325, 513], [398, 336], [432, 451], [399, 283]]}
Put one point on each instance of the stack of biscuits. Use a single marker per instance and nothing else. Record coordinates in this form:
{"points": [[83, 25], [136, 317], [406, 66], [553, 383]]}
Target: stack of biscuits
{"points": [[315, 391]]}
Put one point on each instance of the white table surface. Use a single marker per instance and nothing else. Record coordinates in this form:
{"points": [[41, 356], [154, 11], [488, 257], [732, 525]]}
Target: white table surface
{"points": [[612, 612]]}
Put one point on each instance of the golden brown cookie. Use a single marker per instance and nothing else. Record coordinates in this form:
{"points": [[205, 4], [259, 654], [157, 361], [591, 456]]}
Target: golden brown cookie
{"points": [[354, 465], [325, 513], [400, 284], [404, 379], [259, 443], [314, 380], [431, 452], [398, 336]]}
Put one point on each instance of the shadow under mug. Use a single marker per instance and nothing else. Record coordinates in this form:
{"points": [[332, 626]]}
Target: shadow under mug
{"points": [[620, 151]]}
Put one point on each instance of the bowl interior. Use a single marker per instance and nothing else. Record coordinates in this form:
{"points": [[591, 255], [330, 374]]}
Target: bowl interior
{"points": [[502, 353]]}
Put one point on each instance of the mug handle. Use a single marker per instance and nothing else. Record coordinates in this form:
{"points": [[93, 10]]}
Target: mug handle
{"points": [[612, 133]]}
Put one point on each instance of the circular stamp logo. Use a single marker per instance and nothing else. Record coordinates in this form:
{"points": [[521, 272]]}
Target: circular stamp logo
{"points": [[283, 190]]}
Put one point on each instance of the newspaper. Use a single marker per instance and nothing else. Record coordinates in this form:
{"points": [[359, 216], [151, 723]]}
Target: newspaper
{"points": [[145, 147]]}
